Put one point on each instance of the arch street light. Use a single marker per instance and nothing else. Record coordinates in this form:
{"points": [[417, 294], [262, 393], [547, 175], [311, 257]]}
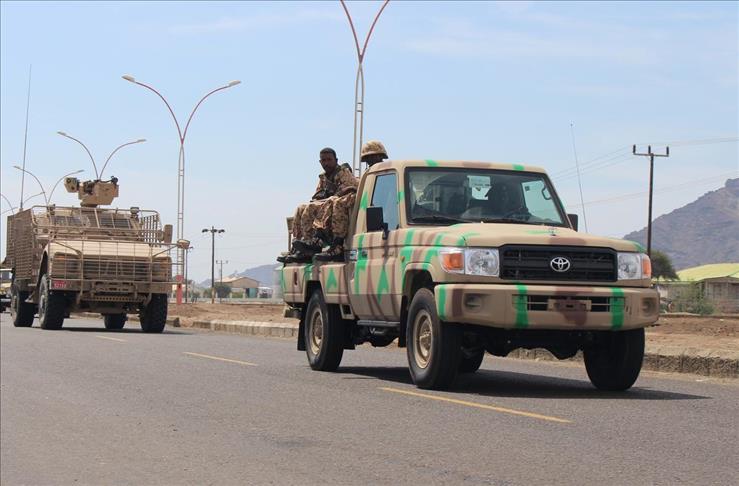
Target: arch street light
{"points": [[182, 134], [99, 175], [43, 191], [61, 179]]}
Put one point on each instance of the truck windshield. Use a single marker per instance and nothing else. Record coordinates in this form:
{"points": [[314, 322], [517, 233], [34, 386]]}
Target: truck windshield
{"points": [[441, 196]]}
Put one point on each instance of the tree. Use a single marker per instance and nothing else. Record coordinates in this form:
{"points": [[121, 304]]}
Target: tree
{"points": [[662, 266], [222, 290]]}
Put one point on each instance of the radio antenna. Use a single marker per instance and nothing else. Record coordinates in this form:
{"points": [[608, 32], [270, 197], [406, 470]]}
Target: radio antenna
{"points": [[25, 136], [579, 180]]}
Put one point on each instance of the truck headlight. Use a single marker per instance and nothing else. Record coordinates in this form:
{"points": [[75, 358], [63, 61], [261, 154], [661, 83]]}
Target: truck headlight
{"points": [[634, 266], [470, 261]]}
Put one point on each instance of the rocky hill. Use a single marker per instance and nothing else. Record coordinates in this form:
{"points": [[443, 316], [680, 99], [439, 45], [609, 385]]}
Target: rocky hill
{"points": [[704, 231]]}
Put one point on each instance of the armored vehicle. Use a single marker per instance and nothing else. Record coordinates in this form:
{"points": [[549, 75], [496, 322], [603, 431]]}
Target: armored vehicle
{"points": [[456, 259], [111, 261]]}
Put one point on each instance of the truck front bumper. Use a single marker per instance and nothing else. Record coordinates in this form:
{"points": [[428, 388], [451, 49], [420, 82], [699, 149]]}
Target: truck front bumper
{"points": [[521, 306]]}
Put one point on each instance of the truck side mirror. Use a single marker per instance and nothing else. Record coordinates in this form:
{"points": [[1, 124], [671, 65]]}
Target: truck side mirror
{"points": [[573, 220], [167, 234], [376, 221]]}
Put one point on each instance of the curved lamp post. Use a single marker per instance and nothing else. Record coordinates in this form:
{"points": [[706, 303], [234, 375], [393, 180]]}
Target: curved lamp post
{"points": [[60, 180], [182, 134], [43, 191], [10, 204], [359, 86], [99, 175]]}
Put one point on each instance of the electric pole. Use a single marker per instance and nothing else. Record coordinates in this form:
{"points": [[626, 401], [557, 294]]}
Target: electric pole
{"points": [[220, 278], [651, 156], [213, 230]]}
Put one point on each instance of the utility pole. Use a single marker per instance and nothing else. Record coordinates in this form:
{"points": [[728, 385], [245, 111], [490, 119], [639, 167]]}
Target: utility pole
{"points": [[213, 230], [651, 156], [187, 267], [220, 278]]}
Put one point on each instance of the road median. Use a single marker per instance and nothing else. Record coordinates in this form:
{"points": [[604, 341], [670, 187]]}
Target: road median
{"points": [[657, 357]]}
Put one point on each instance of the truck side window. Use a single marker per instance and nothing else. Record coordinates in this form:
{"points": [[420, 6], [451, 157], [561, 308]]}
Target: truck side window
{"points": [[385, 196]]}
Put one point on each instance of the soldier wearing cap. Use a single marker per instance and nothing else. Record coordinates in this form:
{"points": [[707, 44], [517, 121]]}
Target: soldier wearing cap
{"points": [[373, 152]]}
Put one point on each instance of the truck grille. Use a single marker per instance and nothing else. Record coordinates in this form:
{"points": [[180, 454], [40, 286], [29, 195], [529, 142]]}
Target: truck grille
{"points": [[519, 262], [131, 270]]}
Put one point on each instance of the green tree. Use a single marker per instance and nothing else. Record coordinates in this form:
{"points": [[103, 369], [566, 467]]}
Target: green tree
{"points": [[222, 290], [662, 266]]}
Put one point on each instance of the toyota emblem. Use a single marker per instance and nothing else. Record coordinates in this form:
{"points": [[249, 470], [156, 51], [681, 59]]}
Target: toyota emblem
{"points": [[559, 264]]}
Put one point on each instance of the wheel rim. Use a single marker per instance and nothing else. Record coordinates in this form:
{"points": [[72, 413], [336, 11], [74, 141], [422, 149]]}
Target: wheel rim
{"points": [[423, 335], [316, 332]]}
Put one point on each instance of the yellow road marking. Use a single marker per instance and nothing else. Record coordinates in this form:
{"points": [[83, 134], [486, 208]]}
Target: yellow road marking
{"points": [[111, 339], [479, 405], [206, 356]]}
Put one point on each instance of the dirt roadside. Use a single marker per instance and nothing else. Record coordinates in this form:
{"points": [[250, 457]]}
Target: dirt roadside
{"points": [[719, 333]]}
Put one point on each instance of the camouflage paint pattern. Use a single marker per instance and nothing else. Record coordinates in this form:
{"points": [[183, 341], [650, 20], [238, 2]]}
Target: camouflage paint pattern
{"points": [[375, 283]]}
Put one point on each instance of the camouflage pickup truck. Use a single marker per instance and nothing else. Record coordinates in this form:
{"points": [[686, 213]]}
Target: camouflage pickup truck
{"points": [[455, 259], [89, 258]]}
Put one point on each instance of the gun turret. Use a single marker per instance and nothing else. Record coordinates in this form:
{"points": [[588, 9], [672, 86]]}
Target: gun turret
{"points": [[93, 193]]}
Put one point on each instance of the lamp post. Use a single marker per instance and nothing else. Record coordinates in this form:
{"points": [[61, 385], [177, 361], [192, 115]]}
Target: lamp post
{"points": [[182, 134], [187, 267], [99, 175], [43, 191], [10, 204], [213, 232]]}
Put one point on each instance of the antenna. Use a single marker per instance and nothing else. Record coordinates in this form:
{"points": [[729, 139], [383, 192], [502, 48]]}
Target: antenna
{"points": [[579, 179], [25, 136]]}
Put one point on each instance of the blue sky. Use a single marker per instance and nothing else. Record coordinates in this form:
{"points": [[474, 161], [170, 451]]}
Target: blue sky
{"points": [[481, 81]]}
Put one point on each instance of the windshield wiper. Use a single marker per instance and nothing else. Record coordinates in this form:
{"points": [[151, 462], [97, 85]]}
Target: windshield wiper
{"points": [[438, 218], [508, 220]]}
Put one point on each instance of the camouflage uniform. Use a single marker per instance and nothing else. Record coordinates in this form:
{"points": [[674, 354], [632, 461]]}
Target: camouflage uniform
{"points": [[329, 209]]}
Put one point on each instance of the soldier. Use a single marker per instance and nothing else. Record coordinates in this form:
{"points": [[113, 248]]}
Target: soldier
{"points": [[313, 224], [373, 152]]}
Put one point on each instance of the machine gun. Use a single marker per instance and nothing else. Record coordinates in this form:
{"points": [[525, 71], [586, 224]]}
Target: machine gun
{"points": [[93, 193]]}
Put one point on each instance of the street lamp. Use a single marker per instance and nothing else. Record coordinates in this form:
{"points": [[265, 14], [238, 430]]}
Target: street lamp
{"points": [[38, 181], [99, 175], [187, 268], [61, 179], [182, 134], [10, 204], [213, 232]]}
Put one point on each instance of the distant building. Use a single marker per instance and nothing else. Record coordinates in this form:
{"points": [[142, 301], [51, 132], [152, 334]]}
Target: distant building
{"points": [[718, 283], [248, 285]]}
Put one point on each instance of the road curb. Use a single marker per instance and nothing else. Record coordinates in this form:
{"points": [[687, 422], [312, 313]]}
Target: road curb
{"points": [[673, 359]]}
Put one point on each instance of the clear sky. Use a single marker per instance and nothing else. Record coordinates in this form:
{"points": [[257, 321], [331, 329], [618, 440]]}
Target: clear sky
{"points": [[477, 81]]}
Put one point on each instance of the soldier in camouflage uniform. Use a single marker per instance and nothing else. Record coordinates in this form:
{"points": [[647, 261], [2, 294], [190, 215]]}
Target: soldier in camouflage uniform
{"points": [[373, 152], [325, 218]]}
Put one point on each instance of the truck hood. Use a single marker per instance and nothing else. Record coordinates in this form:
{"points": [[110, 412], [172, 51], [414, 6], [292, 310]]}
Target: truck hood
{"points": [[497, 234], [107, 248]]}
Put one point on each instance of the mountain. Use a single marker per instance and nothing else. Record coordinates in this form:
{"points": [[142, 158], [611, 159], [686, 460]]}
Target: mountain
{"points": [[701, 232], [265, 274]]}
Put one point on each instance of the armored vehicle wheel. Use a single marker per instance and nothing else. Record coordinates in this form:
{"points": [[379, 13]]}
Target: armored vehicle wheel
{"points": [[153, 316], [114, 321], [21, 312], [471, 360], [614, 361], [434, 348], [52, 306], [323, 334]]}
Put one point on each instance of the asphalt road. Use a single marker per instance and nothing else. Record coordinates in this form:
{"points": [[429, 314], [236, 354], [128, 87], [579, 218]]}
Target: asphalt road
{"points": [[88, 406]]}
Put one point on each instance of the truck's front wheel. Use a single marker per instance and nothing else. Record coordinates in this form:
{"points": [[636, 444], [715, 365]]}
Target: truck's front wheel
{"points": [[52, 306], [434, 348], [614, 361], [323, 334], [21, 312], [114, 321], [153, 316]]}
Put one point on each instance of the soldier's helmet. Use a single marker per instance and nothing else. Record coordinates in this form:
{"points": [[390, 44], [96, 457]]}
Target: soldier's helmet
{"points": [[372, 147]]}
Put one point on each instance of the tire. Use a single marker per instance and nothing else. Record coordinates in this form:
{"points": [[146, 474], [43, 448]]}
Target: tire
{"points": [[471, 360], [613, 363], [433, 347], [21, 312], [52, 307], [324, 334], [115, 321], [153, 316]]}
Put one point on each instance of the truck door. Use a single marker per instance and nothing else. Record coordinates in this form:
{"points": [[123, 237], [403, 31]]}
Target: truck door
{"points": [[374, 287]]}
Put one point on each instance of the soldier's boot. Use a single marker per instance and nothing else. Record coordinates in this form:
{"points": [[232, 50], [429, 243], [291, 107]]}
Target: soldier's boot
{"points": [[283, 258], [311, 246], [323, 237], [299, 257], [335, 253]]}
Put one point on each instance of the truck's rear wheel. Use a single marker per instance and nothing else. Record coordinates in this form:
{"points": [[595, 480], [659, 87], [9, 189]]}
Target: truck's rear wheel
{"points": [[434, 348], [114, 321], [153, 316], [21, 312], [324, 344], [614, 361], [52, 306]]}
